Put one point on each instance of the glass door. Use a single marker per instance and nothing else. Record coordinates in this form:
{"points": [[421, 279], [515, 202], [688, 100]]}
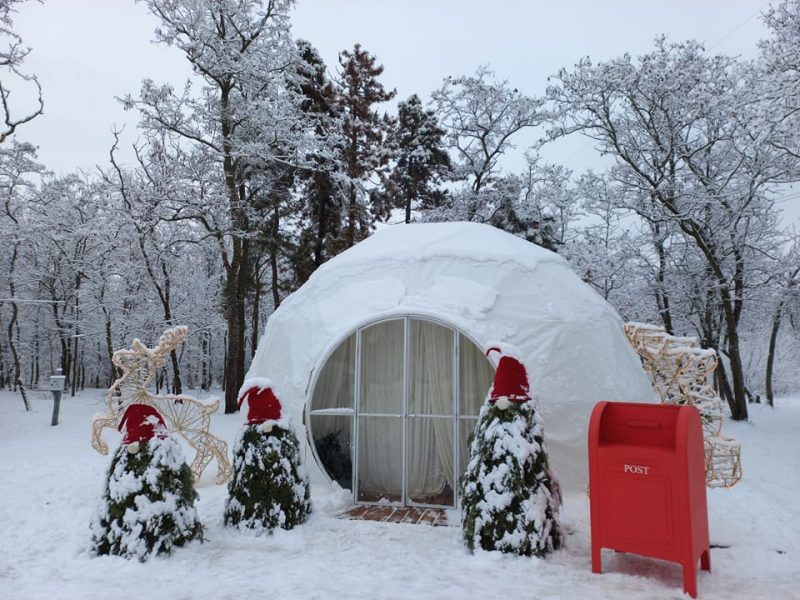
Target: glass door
{"points": [[380, 423], [392, 409], [430, 432]]}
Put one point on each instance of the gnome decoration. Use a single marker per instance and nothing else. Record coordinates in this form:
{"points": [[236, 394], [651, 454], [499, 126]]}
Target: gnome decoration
{"points": [[140, 422], [263, 407], [510, 383], [269, 487], [148, 504], [510, 499]]}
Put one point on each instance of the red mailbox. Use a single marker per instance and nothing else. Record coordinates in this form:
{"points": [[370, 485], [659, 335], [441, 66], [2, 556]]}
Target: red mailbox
{"points": [[647, 485]]}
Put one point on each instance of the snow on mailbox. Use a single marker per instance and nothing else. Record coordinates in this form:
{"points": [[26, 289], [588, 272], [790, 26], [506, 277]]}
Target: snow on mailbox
{"points": [[647, 485]]}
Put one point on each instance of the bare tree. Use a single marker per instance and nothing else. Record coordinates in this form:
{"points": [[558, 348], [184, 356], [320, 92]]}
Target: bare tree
{"points": [[12, 55]]}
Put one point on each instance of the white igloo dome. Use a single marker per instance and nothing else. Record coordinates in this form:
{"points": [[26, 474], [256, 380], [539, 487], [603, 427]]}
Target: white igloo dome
{"points": [[380, 356]]}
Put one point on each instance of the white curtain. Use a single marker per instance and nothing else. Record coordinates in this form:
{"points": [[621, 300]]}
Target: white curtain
{"points": [[334, 388], [431, 395], [475, 379], [476, 374], [380, 441]]}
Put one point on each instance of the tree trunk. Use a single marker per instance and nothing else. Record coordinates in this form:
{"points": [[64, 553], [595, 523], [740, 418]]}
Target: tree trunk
{"points": [[113, 371], [723, 386], [233, 359], [254, 327], [773, 340], [662, 297], [74, 377], [15, 355], [36, 357], [323, 195], [352, 207], [738, 402], [177, 386], [204, 383], [235, 317], [12, 328], [273, 259]]}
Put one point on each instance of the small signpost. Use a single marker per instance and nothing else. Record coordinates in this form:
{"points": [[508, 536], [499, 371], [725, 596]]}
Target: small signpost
{"points": [[57, 383]]}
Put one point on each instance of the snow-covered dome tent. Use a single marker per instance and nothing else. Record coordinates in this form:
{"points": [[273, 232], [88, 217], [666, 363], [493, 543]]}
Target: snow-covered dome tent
{"points": [[380, 356]]}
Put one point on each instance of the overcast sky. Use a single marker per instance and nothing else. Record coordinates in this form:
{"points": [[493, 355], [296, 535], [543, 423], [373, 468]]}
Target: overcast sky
{"points": [[87, 52]]}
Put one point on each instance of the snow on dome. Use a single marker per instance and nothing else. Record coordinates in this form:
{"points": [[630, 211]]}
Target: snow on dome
{"points": [[491, 286]]}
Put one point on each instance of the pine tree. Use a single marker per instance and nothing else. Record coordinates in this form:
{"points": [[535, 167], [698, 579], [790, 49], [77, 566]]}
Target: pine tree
{"points": [[269, 487], [148, 504], [321, 211], [509, 498], [365, 149], [421, 160]]}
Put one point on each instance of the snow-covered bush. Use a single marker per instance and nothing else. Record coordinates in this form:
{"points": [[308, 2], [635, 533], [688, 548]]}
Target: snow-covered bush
{"points": [[269, 487], [148, 504], [510, 500]]}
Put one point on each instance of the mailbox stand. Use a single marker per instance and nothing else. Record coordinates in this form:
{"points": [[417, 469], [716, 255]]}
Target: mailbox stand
{"points": [[647, 485], [57, 387]]}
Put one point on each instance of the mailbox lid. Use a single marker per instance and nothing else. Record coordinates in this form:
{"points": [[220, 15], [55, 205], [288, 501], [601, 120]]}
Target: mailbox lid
{"points": [[639, 424]]}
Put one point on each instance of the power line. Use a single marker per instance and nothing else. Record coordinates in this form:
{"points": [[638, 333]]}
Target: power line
{"points": [[738, 27]]}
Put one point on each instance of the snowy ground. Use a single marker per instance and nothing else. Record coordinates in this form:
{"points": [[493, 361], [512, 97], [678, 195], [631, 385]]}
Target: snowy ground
{"points": [[51, 480]]}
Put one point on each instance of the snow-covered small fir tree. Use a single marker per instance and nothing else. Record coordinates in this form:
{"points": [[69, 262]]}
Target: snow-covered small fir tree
{"points": [[269, 487], [148, 504], [510, 499]]}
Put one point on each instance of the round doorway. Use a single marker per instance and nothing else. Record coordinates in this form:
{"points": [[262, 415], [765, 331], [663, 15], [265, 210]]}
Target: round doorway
{"points": [[392, 408]]}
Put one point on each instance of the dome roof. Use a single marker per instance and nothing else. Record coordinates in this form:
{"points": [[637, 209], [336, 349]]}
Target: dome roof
{"points": [[492, 286]]}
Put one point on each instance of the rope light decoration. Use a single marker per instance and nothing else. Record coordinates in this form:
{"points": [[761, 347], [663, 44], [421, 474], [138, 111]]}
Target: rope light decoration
{"points": [[187, 416], [680, 371]]}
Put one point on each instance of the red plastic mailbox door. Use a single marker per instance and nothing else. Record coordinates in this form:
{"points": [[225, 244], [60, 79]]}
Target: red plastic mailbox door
{"points": [[647, 482]]}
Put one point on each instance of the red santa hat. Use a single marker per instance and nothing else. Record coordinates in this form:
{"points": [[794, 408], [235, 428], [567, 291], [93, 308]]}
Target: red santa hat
{"points": [[262, 403], [510, 381], [141, 422]]}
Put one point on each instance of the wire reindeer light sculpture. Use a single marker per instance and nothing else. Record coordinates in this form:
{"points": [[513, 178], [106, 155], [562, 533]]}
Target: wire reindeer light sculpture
{"points": [[680, 371], [187, 416]]}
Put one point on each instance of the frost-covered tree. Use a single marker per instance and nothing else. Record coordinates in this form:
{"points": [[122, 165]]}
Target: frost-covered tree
{"points": [[320, 187], [603, 252], [481, 114], [421, 161], [509, 498], [779, 77], [148, 505], [18, 173], [269, 488], [689, 157], [365, 150], [234, 134]]}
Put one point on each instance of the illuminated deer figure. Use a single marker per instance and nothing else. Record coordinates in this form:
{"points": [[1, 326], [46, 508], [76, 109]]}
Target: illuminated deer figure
{"points": [[186, 416]]}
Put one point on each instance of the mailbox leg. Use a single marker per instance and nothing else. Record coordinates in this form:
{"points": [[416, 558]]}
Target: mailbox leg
{"points": [[597, 567], [56, 408], [690, 579], [705, 560]]}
